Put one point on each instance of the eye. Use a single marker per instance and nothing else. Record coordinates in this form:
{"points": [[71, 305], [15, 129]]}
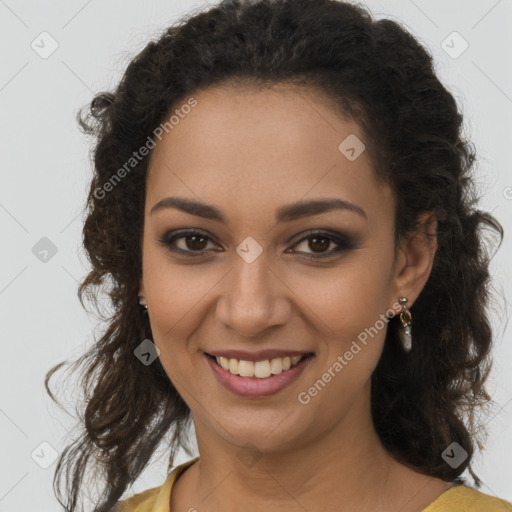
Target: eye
{"points": [[192, 241], [195, 241], [320, 241]]}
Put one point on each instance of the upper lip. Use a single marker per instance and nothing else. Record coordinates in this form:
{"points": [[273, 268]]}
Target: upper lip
{"points": [[257, 356]]}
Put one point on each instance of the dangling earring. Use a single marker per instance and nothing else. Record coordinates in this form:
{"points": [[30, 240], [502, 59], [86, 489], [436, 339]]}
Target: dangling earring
{"points": [[406, 319]]}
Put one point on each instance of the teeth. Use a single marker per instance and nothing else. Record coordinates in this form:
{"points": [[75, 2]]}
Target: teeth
{"points": [[276, 366], [246, 368], [296, 359], [233, 366], [259, 369], [262, 369]]}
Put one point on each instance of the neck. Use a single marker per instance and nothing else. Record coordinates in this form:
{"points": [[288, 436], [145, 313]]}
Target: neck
{"points": [[345, 464]]}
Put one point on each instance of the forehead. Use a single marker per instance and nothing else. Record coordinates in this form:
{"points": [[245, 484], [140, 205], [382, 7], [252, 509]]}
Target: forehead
{"points": [[255, 149]]}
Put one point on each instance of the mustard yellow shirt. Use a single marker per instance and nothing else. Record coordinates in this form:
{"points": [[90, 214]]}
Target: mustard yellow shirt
{"points": [[455, 499]]}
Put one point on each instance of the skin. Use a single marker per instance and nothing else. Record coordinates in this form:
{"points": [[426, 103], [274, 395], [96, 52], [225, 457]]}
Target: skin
{"points": [[250, 152]]}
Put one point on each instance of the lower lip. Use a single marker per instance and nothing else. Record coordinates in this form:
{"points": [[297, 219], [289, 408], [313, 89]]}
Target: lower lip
{"points": [[253, 386]]}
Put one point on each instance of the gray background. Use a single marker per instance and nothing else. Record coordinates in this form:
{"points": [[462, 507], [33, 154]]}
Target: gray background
{"points": [[45, 171]]}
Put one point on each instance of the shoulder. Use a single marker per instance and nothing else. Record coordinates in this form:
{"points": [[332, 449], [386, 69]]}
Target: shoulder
{"points": [[155, 499], [467, 499]]}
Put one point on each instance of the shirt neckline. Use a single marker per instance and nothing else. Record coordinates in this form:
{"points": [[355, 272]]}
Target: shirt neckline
{"points": [[163, 500]]}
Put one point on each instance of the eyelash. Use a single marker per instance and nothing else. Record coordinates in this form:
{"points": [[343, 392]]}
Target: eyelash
{"points": [[345, 243]]}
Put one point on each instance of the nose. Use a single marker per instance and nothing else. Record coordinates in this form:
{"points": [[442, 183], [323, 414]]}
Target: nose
{"points": [[253, 298]]}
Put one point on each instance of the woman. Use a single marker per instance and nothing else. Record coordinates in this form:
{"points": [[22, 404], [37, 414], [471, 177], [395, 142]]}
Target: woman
{"points": [[283, 205]]}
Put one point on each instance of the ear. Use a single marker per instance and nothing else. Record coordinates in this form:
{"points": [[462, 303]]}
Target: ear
{"points": [[414, 261]]}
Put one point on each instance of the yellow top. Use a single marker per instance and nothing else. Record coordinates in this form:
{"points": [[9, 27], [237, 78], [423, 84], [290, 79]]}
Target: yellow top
{"points": [[455, 499]]}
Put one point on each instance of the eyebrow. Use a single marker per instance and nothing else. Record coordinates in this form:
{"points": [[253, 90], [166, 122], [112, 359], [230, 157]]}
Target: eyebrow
{"points": [[285, 213]]}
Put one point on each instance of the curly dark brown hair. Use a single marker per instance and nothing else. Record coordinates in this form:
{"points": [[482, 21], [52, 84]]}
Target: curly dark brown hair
{"points": [[381, 77]]}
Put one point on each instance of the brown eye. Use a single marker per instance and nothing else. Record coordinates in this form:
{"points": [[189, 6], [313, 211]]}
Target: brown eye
{"points": [[319, 243], [195, 242], [191, 242]]}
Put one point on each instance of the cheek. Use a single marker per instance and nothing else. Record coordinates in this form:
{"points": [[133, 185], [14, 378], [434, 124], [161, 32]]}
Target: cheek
{"points": [[180, 304], [353, 325], [173, 290], [350, 304], [344, 301], [169, 297]]}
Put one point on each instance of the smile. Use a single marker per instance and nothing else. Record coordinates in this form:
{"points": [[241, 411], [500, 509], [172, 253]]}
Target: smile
{"points": [[259, 369], [256, 378]]}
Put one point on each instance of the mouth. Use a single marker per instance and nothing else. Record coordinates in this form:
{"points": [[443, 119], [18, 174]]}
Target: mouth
{"points": [[264, 369], [258, 379]]}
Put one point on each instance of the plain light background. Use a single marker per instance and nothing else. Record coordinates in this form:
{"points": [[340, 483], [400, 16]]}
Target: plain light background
{"points": [[45, 172]]}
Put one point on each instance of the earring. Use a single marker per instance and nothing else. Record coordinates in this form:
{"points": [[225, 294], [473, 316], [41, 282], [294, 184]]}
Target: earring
{"points": [[406, 319], [145, 306]]}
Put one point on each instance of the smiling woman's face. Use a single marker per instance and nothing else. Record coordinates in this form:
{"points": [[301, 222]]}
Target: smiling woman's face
{"points": [[251, 283]]}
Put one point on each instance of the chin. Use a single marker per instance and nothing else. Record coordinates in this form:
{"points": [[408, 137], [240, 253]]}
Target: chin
{"points": [[275, 435]]}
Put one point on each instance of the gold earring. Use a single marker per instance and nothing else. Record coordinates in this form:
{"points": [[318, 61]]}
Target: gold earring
{"points": [[406, 319]]}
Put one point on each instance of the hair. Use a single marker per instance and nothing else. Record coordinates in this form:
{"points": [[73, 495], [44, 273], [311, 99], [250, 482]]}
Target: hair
{"points": [[380, 76]]}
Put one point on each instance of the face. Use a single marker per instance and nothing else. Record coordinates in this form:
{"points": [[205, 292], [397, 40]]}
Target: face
{"points": [[312, 283]]}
